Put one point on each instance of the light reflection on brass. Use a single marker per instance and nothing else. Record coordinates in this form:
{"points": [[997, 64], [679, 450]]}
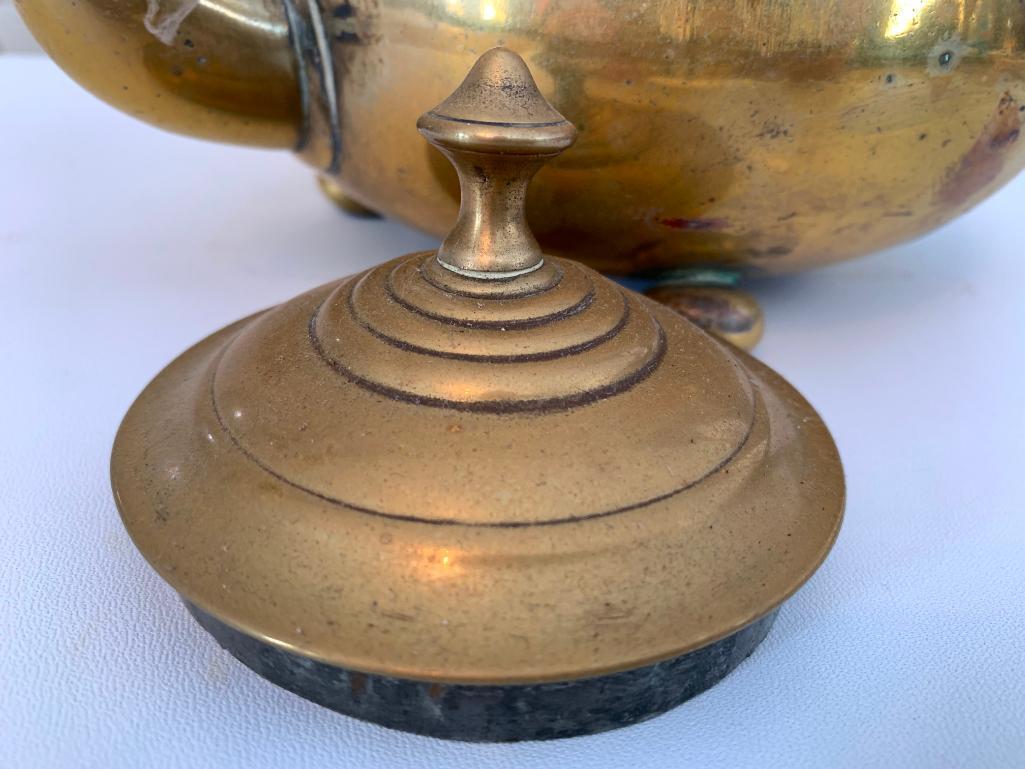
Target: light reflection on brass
{"points": [[905, 16], [437, 564]]}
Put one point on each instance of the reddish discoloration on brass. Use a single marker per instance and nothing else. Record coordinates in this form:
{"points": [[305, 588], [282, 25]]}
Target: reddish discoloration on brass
{"points": [[679, 223], [985, 160], [434, 691], [357, 683]]}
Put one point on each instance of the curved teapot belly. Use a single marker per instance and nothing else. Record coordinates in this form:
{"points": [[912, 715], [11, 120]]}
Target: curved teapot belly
{"points": [[762, 137]]}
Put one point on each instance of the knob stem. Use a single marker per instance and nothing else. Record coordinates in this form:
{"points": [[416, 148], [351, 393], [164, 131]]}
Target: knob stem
{"points": [[498, 130]]}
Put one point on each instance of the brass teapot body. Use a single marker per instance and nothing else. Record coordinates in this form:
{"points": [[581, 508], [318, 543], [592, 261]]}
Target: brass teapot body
{"points": [[724, 134]]}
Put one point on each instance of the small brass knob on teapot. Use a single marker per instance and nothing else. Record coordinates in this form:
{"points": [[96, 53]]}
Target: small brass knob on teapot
{"points": [[498, 131], [480, 493]]}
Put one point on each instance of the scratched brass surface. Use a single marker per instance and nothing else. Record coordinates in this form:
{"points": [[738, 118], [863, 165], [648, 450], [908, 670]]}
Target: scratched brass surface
{"points": [[763, 136], [478, 464]]}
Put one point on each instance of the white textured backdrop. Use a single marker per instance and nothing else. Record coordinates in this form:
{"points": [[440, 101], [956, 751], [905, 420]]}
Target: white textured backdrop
{"points": [[14, 38]]}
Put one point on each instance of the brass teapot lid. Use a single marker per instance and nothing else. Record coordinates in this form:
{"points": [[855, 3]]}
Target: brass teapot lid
{"points": [[481, 464]]}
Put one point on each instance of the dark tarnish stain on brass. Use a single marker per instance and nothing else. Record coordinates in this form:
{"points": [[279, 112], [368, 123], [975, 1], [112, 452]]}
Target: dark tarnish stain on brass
{"points": [[985, 160], [495, 713], [481, 492]]}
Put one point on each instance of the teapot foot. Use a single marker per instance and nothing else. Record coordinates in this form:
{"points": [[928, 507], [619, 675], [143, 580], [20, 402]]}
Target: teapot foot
{"points": [[724, 311], [338, 196]]}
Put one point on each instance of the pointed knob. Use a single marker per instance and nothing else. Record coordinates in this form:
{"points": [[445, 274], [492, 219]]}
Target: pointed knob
{"points": [[497, 129]]}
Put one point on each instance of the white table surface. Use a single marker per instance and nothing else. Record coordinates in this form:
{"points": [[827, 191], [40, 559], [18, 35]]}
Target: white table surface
{"points": [[121, 245]]}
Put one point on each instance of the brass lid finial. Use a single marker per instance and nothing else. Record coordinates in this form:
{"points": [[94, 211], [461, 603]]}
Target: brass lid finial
{"points": [[497, 129]]}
